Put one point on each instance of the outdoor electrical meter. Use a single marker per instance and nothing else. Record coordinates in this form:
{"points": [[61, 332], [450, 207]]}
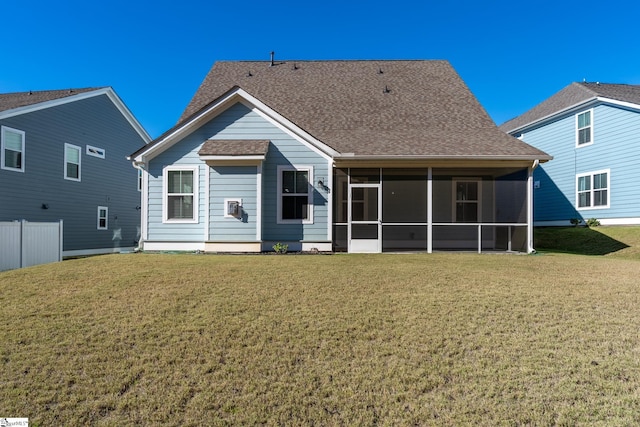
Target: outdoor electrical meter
{"points": [[233, 207]]}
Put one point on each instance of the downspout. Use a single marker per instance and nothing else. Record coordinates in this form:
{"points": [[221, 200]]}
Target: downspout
{"points": [[530, 248], [140, 166]]}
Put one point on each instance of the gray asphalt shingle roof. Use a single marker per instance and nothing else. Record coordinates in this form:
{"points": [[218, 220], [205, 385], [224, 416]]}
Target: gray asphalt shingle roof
{"points": [[369, 108], [9, 101], [234, 147], [571, 95]]}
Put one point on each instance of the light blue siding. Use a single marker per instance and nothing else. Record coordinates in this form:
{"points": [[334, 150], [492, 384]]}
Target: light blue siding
{"points": [[285, 151], [110, 182], [238, 122], [616, 146], [233, 182]]}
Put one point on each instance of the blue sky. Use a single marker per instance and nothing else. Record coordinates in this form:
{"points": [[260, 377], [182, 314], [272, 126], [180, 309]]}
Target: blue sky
{"points": [[511, 54]]}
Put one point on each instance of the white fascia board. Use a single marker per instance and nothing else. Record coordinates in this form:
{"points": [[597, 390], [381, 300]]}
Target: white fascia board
{"points": [[78, 97], [48, 104], [120, 105], [287, 126], [239, 158], [250, 102], [178, 133], [623, 104], [576, 107], [566, 110]]}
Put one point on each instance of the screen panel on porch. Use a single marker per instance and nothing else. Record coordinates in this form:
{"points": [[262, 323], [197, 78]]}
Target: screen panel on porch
{"points": [[489, 206], [481, 209], [404, 209]]}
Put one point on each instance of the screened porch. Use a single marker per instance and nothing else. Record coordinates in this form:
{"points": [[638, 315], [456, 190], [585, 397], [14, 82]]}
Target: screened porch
{"points": [[431, 209]]}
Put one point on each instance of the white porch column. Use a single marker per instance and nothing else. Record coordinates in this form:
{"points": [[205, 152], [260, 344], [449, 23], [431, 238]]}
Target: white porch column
{"points": [[430, 210], [530, 247]]}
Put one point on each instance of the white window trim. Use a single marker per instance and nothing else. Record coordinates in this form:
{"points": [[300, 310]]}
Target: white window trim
{"points": [[591, 174], [578, 145], [281, 169], [196, 204], [96, 152], [454, 197], [79, 178], [2, 155], [106, 222]]}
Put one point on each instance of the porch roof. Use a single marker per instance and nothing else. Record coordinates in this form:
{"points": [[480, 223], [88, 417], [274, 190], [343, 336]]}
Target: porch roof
{"points": [[234, 147]]}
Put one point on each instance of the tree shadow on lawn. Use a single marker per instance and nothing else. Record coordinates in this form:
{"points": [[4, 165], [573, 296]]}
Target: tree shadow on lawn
{"points": [[576, 240]]}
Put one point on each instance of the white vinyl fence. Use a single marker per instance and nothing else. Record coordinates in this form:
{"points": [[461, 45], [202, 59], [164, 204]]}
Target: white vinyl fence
{"points": [[24, 243]]}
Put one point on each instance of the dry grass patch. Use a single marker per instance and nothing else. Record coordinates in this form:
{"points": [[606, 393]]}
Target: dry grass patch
{"points": [[442, 339]]}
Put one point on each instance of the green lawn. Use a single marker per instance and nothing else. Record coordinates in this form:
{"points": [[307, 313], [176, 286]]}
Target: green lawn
{"points": [[440, 339], [620, 242]]}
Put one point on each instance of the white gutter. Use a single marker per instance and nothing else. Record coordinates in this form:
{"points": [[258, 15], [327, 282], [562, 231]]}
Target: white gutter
{"points": [[351, 156]]}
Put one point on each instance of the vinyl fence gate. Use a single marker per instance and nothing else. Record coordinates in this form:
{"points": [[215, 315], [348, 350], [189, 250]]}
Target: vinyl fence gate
{"points": [[24, 243]]}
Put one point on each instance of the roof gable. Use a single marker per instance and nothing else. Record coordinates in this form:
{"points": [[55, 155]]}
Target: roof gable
{"points": [[572, 96], [13, 104]]}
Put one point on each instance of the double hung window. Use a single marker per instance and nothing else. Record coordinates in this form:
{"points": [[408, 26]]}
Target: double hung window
{"points": [[593, 190], [295, 192], [103, 218], [181, 194], [584, 133], [466, 200], [72, 162], [12, 154]]}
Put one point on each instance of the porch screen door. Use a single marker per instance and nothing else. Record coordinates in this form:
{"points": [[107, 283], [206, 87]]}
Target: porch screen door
{"points": [[365, 226]]}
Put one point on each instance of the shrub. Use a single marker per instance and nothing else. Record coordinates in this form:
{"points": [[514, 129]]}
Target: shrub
{"points": [[575, 221], [593, 222], [280, 248]]}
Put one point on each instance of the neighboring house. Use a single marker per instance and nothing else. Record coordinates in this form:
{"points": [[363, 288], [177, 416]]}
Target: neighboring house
{"points": [[357, 156], [592, 130], [63, 157]]}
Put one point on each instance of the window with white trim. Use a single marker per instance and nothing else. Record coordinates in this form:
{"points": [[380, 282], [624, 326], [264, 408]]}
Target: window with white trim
{"points": [[139, 179], [295, 194], [584, 129], [181, 194], [103, 218], [592, 190], [12, 151], [95, 152], [72, 162], [466, 200]]}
